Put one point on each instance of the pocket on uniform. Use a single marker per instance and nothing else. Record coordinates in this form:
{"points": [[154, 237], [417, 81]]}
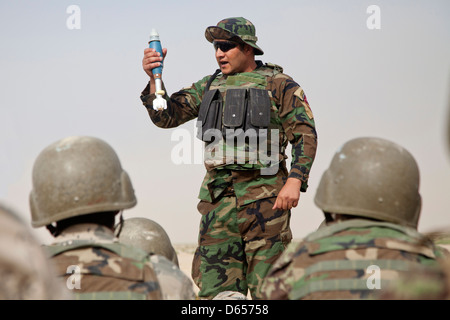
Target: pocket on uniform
{"points": [[234, 109], [286, 237], [205, 207], [210, 115], [259, 108]]}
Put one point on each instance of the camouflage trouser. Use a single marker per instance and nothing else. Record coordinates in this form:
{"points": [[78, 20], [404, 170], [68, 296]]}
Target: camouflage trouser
{"points": [[237, 246]]}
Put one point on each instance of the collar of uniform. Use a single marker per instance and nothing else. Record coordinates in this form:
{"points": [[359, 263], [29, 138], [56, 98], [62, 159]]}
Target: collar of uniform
{"points": [[360, 223], [86, 231], [410, 241]]}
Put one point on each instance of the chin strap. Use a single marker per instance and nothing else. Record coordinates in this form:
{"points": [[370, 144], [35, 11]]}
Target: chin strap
{"points": [[53, 230], [118, 226]]}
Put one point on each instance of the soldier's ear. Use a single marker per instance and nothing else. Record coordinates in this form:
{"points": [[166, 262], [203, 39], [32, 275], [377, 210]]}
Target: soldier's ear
{"points": [[252, 50], [248, 50]]}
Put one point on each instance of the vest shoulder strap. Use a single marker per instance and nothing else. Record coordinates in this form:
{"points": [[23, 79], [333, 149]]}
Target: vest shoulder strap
{"points": [[211, 79], [118, 248]]}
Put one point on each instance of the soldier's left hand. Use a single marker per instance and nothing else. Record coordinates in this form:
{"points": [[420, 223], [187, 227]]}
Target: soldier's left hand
{"points": [[289, 195]]}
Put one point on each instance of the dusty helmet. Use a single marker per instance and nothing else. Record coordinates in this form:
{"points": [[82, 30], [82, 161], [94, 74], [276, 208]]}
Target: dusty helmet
{"points": [[237, 29], [75, 176], [374, 178], [147, 235]]}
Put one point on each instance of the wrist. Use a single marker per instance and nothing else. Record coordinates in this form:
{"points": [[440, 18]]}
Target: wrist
{"points": [[294, 181]]}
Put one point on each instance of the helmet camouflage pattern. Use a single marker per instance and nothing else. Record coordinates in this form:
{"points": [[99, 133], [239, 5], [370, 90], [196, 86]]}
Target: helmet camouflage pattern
{"points": [[236, 29]]}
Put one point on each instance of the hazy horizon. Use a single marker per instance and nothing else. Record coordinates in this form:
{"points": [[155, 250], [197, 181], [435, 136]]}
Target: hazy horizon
{"points": [[59, 80]]}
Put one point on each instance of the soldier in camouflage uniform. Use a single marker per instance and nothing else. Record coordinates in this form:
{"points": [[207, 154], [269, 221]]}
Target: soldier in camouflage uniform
{"points": [[149, 236], [440, 238], [25, 271], [371, 202], [429, 284], [432, 284], [242, 110], [79, 187]]}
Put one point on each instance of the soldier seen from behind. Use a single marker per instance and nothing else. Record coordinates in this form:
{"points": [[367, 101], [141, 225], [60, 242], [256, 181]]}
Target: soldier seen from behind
{"points": [[371, 201], [247, 113], [78, 189], [432, 284], [151, 237]]}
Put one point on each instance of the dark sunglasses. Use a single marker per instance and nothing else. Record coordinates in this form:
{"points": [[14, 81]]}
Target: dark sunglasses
{"points": [[224, 46]]}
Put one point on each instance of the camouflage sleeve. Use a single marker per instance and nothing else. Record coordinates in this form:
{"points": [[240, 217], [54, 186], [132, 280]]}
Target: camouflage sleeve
{"points": [[298, 123], [182, 106], [279, 281], [175, 285]]}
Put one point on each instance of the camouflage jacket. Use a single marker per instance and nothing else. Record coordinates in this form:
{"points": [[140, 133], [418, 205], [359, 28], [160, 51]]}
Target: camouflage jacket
{"points": [[290, 115], [175, 284], [25, 271], [431, 284], [353, 259], [96, 266]]}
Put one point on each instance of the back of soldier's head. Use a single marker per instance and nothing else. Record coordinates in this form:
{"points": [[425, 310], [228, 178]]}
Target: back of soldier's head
{"points": [[25, 271], [76, 176], [147, 235], [373, 178]]}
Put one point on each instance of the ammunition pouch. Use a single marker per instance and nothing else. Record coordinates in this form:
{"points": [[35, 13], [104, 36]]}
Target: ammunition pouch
{"points": [[210, 115], [246, 111]]}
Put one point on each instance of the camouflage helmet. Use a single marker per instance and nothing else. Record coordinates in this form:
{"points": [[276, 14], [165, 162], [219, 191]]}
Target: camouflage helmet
{"points": [[373, 178], [75, 176], [147, 235], [236, 29]]}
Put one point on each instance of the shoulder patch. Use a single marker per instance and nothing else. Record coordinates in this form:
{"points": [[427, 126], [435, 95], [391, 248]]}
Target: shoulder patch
{"points": [[301, 95]]}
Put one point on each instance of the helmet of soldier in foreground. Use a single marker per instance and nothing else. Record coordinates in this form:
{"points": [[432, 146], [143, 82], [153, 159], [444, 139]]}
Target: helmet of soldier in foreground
{"points": [[76, 176], [236, 29], [147, 235], [373, 178]]}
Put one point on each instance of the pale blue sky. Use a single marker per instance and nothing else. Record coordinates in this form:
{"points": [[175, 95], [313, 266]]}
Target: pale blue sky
{"points": [[56, 82]]}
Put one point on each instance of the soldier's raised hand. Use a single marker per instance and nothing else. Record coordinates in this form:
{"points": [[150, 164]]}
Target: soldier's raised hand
{"points": [[151, 60]]}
